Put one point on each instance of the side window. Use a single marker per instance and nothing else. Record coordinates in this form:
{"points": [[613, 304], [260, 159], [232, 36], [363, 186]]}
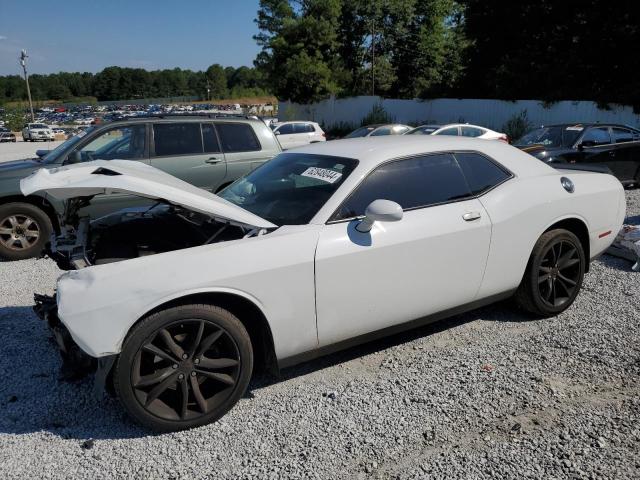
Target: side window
{"points": [[300, 128], [378, 132], [471, 131], [480, 172], [621, 135], [237, 137], [177, 139], [125, 143], [448, 131], [597, 136], [412, 183], [286, 129], [210, 139], [309, 128]]}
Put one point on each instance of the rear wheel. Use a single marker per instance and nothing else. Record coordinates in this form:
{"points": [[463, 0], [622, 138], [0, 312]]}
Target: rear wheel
{"points": [[24, 230], [554, 274], [183, 367]]}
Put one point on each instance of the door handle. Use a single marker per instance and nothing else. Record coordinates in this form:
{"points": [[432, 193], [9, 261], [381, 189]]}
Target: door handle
{"points": [[470, 216], [612, 153], [213, 160]]}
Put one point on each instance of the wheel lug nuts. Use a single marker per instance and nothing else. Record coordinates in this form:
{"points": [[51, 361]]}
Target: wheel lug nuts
{"points": [[181, 376], [175, 365], [185, 356], [196, 361], [193, 374]]}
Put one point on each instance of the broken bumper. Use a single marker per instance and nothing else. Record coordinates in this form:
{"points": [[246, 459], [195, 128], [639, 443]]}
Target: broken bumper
{"points": [[76, 363]]}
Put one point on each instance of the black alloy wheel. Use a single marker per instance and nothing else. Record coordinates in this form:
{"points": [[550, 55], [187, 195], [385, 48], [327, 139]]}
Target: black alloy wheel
{"points": [[554, 274], [559, 273], [184, 367]]}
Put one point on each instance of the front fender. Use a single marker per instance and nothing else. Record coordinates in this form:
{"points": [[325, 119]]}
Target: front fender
{"points": [[99, 304]]}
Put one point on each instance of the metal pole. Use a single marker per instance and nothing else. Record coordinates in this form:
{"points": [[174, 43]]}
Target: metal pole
{"points": [[373, 58], [23, 62]]}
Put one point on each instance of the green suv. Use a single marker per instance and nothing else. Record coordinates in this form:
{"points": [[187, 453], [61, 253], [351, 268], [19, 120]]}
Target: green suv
{"points": [[207, 151]]}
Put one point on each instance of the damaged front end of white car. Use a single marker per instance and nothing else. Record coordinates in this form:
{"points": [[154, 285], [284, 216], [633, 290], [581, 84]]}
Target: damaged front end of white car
{"points": [[178, 216]]}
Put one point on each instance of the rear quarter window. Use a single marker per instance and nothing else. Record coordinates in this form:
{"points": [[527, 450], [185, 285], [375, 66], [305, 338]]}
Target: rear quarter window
{"points": [[237, 137], [481, 173]]}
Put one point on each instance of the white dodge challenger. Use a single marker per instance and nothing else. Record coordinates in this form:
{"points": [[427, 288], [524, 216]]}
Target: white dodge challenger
{"points": [[177, 303]]}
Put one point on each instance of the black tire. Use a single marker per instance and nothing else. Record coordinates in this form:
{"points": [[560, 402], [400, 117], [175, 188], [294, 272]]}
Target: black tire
{"points": [[18, 238], [554, 274], [156, 400]]}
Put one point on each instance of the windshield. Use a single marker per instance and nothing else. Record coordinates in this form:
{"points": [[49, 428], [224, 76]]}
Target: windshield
{"points": [[291, 188], [555, 136], [61, 149], [361, 132]]}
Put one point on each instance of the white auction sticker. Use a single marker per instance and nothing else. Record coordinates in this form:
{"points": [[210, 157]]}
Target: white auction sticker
{"points": [[577, 128], [323, 174]]}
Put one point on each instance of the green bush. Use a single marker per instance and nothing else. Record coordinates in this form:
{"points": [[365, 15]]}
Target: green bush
{"points": [[517, 125], [377, 115], [15, 119]]}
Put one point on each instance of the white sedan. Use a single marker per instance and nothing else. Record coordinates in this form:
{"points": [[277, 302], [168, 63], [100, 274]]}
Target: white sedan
{"points": [[318, 249], [459, 130], [298, 133]]}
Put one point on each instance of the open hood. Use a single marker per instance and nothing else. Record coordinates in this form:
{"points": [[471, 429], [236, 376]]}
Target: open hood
{"points": [[135, 178]]}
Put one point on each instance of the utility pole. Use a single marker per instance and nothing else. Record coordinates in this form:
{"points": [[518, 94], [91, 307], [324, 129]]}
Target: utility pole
{"points": [[23, 62], [373, 58]]}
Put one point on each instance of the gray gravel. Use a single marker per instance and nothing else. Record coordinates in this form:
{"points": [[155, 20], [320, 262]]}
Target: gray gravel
{"points": [[489, 394], [15, 151]]}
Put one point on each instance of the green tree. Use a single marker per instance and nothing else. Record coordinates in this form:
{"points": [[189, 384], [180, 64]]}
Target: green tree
{"points": [[300, 58], [217, 81]]}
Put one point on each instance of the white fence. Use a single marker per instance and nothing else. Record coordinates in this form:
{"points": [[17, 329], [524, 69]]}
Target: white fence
{"points": [[490, 113]]}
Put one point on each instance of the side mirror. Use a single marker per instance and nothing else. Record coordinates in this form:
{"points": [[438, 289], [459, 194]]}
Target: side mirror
{"points": [[74, 157], [586, 144], [379, 211], [277, 132]]}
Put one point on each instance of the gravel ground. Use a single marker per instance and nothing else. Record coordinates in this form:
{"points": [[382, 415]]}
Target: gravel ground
{"points": [[15, 151], [489, 394]]}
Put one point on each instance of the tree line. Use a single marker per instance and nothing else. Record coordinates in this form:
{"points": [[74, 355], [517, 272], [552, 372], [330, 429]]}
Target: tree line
{"points": [[118, 83], [530, 49], [310, 49]]}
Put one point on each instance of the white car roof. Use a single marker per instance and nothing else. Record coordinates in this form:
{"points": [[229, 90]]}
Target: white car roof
{"points": [[371, 151]]}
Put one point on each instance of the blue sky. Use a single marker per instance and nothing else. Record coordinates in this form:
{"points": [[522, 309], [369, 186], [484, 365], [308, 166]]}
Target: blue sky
{"points": [[88, 35]]}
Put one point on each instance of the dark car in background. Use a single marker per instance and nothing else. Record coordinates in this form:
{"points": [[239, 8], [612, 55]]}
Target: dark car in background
{"points": [[208, 151], [611, 145]]}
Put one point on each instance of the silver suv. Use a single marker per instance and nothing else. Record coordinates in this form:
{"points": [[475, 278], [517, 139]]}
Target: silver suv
{"points": [[207, 151]]}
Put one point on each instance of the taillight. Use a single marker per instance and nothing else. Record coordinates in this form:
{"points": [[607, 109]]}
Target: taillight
{"points": [[504, 138], [324, 135]]}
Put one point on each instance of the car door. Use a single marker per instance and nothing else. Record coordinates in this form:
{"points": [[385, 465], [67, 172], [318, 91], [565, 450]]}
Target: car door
{"points": [[122, 142], [627, 152], [433, 259], [189, 151], [242, 149], [596, 148], [286, 135]]}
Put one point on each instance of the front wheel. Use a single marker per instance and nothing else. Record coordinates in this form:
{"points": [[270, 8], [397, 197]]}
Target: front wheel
{"points": [[24, 230], [183, 367], [554, 274]]}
